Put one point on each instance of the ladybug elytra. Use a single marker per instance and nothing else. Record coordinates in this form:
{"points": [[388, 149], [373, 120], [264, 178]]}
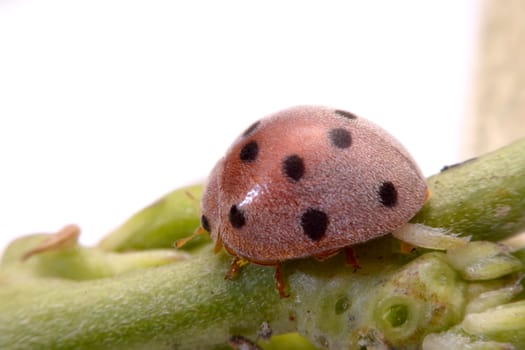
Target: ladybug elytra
{"points": [[308, 181]]}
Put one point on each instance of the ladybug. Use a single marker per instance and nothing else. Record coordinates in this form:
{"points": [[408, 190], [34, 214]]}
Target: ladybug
{"points": [[308, 181]]}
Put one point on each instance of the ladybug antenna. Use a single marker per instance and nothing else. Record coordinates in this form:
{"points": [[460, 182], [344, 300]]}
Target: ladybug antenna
{"points": [[181, 242], [218, 244], [190, 195]]}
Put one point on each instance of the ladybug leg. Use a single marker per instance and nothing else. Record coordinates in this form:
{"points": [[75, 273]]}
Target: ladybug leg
{"points": [[428, 193], [406, 248], [218, 245], [351, 259], [236, 264], [279, 281], [326, 255]]}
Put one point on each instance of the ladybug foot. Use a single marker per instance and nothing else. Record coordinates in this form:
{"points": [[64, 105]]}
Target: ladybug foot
{"points": [[351, 259], [237, 263], [233, 270]]}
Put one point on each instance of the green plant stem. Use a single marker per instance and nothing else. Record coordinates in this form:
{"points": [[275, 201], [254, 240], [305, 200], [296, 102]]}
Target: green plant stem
{"points": [[189, 304], [483, 197], [394, 298]]}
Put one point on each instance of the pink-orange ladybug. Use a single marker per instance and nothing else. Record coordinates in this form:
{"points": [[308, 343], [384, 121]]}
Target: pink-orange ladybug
{"points": [[308, 181]]}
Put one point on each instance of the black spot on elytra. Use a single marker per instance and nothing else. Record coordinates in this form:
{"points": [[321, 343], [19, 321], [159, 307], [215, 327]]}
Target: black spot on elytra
{"points": [[205, 223], [249, 152], [314, 223], [387, 194], [236, 217], [293, 167], [346, 114], [251, 128], [340, 138]]}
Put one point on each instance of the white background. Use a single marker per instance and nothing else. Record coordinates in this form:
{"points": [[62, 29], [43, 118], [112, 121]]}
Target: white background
{"points": [[107, 105]]}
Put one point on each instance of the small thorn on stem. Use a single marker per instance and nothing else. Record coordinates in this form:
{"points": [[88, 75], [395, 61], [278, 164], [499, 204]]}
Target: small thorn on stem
{"points": [[64, 238]]}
